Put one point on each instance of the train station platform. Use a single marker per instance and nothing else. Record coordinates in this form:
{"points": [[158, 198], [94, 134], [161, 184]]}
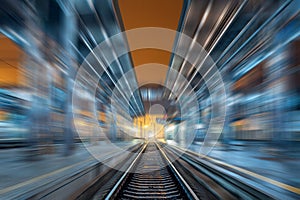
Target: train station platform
{"points": [[273, 166], [23, 178]]}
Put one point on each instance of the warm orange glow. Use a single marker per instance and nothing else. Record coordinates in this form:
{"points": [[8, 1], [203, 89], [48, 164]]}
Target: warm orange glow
{"points": [[102, 116], [150, 13], [148, 124], [10, 59], [143, 56]]}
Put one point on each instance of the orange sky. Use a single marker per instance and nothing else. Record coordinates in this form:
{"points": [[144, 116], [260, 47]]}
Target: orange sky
{"points": [[150, 13]]}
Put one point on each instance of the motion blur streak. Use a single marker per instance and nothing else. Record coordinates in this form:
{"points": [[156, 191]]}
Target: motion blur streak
{"points": [[60, 115]]}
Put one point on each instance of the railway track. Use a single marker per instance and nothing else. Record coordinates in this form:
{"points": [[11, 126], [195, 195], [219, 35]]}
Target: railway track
{"points": [[151, 176]]}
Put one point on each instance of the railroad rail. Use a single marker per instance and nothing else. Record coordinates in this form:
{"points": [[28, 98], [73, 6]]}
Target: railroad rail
{"points": [[151, 176], [159, 171]]}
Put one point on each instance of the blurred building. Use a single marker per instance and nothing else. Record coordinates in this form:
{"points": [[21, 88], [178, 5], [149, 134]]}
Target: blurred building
{"points": [[255, 47]]}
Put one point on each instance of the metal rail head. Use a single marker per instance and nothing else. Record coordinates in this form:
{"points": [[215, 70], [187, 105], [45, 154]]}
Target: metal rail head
{"points": [[178, 175], [189, 192], [118, 184]]}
